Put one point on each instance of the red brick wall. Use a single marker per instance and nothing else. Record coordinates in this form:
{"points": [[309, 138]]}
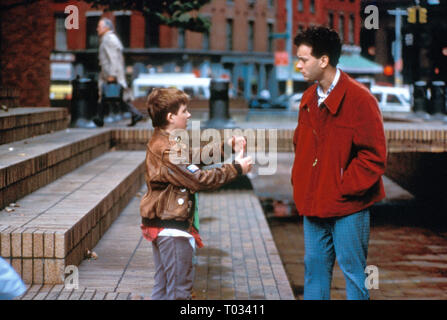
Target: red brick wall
{"points": [[137, 23], [27, 40]]}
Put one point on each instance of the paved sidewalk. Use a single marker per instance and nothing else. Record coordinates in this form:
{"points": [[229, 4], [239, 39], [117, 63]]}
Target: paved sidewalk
{"points": [[239, 260], [407, 245]]}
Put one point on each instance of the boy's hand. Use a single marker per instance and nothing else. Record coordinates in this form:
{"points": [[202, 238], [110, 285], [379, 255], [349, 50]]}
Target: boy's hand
{"points": [[245, 162], [238, 143]]}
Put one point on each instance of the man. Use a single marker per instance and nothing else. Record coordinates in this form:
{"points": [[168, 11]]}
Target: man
{"points": [[340, 156], [112, 69]]}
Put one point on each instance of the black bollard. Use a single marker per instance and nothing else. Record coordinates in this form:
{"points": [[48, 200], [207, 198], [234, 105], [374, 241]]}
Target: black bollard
{"points": [[438, 98], [420, 100], [82, 109], [219, 105]]}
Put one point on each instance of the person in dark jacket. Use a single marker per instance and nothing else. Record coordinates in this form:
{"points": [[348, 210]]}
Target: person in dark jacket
{"points": [[340, 156]]}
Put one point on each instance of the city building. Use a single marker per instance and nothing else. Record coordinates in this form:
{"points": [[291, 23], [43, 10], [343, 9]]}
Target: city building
{"points": [[344, 16], [423, 44], [237, 46]]}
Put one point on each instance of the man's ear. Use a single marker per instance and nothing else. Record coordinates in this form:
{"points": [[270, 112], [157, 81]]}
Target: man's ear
{"points": [[324, 61]]}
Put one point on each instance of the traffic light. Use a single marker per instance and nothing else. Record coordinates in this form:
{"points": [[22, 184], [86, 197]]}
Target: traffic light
{"points": [[422, 15], [411, 11], [416, 14]]}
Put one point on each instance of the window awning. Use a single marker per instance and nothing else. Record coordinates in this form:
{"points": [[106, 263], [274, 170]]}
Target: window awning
{"points": [[355, 63]]}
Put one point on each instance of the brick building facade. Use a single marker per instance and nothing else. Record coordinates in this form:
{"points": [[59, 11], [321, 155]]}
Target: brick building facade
{"points": [[341, 15], [33, 37], [237, 47], [25, 48]]}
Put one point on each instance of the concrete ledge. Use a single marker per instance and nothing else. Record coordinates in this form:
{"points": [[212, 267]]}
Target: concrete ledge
{"points": [[30, 164], [401, 137], [22, 123], [54, 226]]}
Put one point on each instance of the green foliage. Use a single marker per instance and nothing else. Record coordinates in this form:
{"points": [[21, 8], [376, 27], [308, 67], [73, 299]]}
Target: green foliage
{"points": [[173, 13]]}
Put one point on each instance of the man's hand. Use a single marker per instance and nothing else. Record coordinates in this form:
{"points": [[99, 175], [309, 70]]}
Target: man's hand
{"points": [[111, 79], [245, 162], [238, 143]]}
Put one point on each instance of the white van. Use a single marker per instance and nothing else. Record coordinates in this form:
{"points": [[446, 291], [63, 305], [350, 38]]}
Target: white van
{"points": [[196, 87], [392, 99]]}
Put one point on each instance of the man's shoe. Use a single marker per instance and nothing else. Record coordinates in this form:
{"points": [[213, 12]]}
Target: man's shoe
{"points": [[98, 121], [135, 119]]}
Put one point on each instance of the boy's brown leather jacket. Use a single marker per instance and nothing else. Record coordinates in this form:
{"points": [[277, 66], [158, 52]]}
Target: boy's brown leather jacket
{"points": [[169, 200]]}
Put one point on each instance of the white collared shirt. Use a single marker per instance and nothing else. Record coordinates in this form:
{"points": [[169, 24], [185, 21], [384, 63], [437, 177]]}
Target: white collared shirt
{"points": [[321, 95]]}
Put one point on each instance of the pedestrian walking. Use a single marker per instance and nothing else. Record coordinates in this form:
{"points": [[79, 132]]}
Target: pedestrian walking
{"points": [[111, 61], [340, 156], [169, 208]]}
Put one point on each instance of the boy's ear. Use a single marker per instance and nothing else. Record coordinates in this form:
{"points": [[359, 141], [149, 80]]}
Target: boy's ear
{"points": [[169, 117]]}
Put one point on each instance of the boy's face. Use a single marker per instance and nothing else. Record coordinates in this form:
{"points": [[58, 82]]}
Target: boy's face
{"points": [[180, 120]]}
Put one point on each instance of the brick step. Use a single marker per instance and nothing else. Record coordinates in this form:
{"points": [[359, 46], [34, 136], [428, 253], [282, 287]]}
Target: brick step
{"points": [[22, 123], [29, 164], [55, 225]]}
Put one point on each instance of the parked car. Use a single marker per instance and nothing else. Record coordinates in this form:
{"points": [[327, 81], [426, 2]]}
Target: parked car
{"points": [[259, 103], [392, 99], [287, 101]]}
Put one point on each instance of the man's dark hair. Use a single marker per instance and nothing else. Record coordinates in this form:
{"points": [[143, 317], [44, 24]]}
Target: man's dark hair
{"points": [[323, 41]]}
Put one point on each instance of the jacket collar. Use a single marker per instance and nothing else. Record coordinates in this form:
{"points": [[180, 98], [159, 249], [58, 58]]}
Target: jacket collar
{"points": [[334, 99]]}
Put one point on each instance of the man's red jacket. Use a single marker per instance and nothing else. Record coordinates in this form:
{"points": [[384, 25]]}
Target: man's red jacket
{"points": [[340, 151]]}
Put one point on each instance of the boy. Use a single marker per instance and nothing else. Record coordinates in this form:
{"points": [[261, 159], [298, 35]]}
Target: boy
{"points": [[168, 207]]}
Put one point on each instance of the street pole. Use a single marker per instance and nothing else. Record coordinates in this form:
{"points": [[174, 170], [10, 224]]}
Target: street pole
{"points": [[398, 13], [289, 86]]}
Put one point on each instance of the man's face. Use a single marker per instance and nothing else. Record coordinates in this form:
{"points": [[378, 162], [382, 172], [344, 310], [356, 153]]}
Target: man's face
{"points": [[310, 67], [101, 28]]}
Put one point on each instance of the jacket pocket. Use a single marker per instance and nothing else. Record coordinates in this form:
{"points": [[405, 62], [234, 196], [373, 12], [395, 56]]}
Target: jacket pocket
{"points": [[177, 204]]}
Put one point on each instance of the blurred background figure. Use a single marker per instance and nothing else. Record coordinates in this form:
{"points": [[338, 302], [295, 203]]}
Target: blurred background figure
{"points": [[111, 61], [11, 286]]}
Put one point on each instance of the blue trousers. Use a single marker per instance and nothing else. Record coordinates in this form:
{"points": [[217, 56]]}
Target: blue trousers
{"points": [[345, 238]]}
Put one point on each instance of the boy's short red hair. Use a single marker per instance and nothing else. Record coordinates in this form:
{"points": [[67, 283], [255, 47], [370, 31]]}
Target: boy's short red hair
{"points": [[162, 101]]}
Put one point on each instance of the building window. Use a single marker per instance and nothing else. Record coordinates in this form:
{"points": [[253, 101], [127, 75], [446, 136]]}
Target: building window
{"points": [[351, 28], [229, 35], [92, 36], [60, 33], [300, 6], [331, 20], [206, 41], [251, 35], [122, 26], [181, 38], [152, 34], [341, 27], [270, 3], [312, 6], [269, 37]]}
